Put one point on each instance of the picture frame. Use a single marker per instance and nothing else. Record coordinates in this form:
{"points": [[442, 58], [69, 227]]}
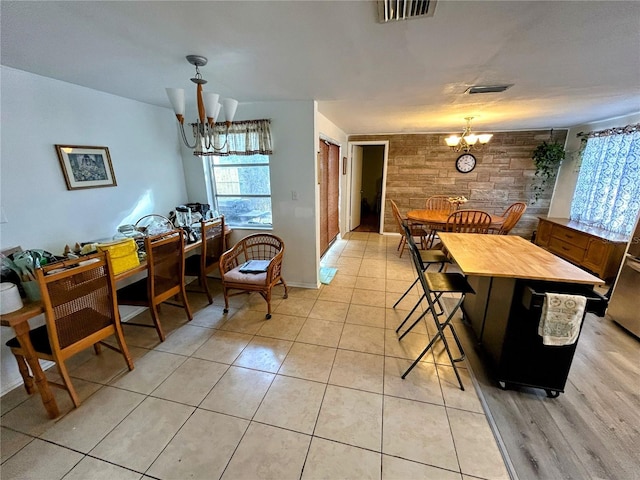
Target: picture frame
{"points": [[86, 166]]}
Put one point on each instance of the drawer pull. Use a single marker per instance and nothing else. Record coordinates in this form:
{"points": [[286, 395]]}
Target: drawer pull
{"points": [[566, 249]]}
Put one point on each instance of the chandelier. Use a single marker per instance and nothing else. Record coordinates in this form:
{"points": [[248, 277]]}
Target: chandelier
{"points": [[209, 108], [467, 141]]}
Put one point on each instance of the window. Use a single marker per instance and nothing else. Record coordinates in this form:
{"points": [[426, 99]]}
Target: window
{"points": [[607, 193], [242, 189]]}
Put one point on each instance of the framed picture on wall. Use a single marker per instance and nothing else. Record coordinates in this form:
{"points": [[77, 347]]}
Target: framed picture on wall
{"points": [[86, 167]]}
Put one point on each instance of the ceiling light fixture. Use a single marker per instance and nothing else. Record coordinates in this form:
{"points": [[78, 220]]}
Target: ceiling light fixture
{"points": [[208, 110], [467, 141]]}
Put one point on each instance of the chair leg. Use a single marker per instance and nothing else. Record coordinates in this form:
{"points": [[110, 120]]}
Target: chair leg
{"points": [[185, 302], [62, 370], [205, 286], [267, 297], [226, 299], [26, 375], [403, 241], [123, 346], [97, 348], [286, 289], [156, 320]]}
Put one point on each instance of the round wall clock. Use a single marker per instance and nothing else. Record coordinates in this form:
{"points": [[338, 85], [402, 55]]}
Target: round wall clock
{"points": [[465, 163]]}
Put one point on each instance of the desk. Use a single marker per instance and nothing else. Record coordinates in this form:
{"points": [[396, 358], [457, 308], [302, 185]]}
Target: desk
{"points": [[19, 321], [504, 270], [438, 218]]}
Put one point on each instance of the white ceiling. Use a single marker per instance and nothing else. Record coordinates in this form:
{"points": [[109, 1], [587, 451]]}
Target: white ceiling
{"points": [[571, 62]]}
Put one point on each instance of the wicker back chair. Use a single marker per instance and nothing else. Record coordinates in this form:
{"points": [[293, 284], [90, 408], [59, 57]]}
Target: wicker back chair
{"points": [[416, 229], [213, 246], [80, 306], [165, 279], [259, 246], [468, 221], [513, 214]]}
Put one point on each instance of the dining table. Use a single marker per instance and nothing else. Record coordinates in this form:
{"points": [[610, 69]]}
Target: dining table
{"points": [[19, 321], [437, 219]]}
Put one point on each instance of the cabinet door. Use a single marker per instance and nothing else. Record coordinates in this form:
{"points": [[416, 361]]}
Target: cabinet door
{"points": [[544, 233], [597, 255]]}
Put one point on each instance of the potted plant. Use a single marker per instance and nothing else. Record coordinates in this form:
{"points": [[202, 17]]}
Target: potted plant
{"points": [[547, 158]]}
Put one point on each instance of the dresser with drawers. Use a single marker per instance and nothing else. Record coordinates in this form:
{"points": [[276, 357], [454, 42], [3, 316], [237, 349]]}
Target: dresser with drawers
{"points": [[594, 249]]}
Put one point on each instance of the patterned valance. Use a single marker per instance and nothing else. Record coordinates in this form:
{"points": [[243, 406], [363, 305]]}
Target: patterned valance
{"points": [[611, 131], [247, 137]]}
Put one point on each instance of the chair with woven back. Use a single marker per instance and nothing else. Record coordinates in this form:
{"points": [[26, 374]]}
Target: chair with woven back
{"points": [[213, 246], [165, 278], [79, 299], [417, 230], [237, 275], [468, 221], [512, 216]]}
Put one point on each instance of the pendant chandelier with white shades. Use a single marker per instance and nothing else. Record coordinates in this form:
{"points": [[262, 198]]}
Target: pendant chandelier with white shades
{"points": [[209, 109], [467, 141]]}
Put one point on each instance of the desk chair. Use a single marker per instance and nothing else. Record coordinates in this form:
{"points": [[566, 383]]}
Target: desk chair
{"points": [[80, 311], [165, 279], [259, 246], [416, 229], [513, 214], [435, 285], [213, 246]]}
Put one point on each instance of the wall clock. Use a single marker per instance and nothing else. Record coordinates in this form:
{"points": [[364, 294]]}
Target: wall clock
{"points": [[465, 163]]}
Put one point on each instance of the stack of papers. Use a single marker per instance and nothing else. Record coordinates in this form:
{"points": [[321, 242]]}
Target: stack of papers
{"points": [[255, 266]]}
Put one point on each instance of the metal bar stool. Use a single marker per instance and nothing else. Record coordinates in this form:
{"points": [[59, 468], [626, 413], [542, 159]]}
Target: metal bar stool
{"points": [[434, 285]]}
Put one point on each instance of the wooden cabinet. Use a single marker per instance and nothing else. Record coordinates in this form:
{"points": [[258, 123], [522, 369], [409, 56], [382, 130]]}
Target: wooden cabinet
{"points": [[594, 249]]}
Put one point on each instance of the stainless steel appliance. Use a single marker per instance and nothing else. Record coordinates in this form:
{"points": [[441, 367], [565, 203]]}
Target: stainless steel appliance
{"points": [[625, 298]]}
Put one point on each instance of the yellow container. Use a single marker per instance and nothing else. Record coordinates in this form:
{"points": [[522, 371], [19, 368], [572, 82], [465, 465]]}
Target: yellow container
{"points": [[123, 253]]}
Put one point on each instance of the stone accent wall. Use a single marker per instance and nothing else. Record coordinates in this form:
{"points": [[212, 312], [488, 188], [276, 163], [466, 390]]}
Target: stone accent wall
{"points": [[421, 165]]}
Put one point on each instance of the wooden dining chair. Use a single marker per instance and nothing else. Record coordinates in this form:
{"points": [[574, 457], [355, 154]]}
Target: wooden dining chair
{"points": [[259, 246], [79, 299], [213, 246], [468, 221], [512, 216], [417, 230], [165, 278], [438, 203]]}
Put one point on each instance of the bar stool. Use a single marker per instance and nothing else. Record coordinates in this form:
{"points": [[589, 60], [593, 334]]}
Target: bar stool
{"points": [[434, 286]]}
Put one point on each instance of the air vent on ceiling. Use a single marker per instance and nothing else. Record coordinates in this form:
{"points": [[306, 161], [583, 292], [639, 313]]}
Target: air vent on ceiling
{"points": [[392, 10], [487, 88]]}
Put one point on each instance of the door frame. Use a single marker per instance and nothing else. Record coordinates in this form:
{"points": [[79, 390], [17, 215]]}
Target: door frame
{"points": [[349, 183]]}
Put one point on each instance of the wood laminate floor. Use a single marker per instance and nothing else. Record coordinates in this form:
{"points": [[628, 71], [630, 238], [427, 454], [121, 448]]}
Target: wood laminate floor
{"points": [[592, 430]]}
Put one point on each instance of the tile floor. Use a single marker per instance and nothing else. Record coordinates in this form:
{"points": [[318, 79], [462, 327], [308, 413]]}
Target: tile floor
{"points": [[315, 392]]}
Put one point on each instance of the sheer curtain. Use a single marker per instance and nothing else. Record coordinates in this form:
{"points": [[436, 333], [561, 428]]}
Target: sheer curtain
{"points": [[608, 190]]}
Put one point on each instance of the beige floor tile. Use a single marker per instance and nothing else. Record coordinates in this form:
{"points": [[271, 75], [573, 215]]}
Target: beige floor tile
{"points": [[244, 321], [223, 347], [400, 273], [362, 371], [395, 317], [191, 382], [40, 460], [371, 283], [238, 383], [267, 452], [189, 454], [210, 317], [305, 293], [362, 339], [15, 397], [299, 307], [409, 347], [30, 417], [185, 340], [418, 431], [11, 442], [352, 417], [397, 468], [310, 362], [331, 460], [284, 327], [143, 434], [342, 279], [466, 399], [336, 293], [106, 366], [366, 314], [94, 469], [259, 304], [291, 403], [262, 353], [368, 297], [399, 287], [372, 271], [320, 332], [326, 310], [84, 427], [142, 337], [421, 384], [149, 372], [477, 451]]}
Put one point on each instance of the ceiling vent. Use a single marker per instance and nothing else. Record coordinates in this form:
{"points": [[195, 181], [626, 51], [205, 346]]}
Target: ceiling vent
{"points": [[487, 89], [392, 10]]}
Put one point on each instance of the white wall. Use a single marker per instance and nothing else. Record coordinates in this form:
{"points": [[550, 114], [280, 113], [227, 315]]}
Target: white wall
{"points": [[39, 112], [568, 173]]}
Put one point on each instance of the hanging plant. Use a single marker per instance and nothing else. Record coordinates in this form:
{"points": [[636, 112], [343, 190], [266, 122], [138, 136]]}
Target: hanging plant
{"points": [[547, 158]]}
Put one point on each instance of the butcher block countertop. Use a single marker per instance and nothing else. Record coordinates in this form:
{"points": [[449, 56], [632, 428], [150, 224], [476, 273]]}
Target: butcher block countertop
{"points": [[511, 256]]}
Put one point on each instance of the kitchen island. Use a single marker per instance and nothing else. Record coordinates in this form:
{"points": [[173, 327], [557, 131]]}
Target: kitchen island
{"points": [[510, 276]]}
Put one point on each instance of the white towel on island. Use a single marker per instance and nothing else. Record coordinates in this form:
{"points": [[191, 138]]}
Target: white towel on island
{"points": [[561, 318]]}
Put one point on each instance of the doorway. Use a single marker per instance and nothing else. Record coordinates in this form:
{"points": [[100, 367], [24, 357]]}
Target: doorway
{"points": [[329, 180], [368, 172]]}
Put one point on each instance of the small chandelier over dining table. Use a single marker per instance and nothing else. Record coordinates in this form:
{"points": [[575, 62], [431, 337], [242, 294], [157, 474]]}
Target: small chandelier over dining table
{"points": [[467, 141], [209, 109]]}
